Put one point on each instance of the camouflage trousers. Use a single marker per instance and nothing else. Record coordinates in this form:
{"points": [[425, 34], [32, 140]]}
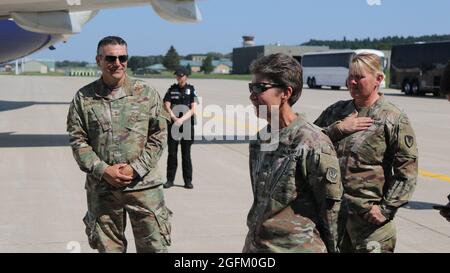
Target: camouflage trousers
{"points": [[364, 237], [106, 220]]}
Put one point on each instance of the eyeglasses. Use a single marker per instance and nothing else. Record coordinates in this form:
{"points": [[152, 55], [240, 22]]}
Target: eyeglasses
{"points": [[259, 87], [112, 59]]}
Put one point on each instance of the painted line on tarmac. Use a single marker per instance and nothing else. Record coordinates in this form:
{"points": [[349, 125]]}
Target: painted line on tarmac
{"points": [[441, 177], [253, 128]]}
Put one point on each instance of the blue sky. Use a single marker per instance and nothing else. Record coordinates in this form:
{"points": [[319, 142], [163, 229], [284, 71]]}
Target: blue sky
{"points": [[288, 22]]}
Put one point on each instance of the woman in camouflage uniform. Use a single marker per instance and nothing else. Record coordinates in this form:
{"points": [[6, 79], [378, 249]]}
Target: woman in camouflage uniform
{"points": [[295, 180], [377, 152]]}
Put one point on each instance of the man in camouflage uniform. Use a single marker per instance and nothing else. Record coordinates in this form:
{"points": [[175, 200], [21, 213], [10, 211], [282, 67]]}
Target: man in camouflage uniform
{"points": [[296, 185], [379, 166], [118, 129]]}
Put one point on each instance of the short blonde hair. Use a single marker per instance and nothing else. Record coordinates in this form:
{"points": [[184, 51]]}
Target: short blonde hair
{"points": [[366, 62]]}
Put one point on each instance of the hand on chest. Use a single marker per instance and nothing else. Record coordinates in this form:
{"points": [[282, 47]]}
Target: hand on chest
{"points": [[368, 145]]}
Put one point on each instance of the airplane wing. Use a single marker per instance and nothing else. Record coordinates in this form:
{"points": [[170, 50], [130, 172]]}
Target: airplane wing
{"points": [[177, 11], [27, 26]]}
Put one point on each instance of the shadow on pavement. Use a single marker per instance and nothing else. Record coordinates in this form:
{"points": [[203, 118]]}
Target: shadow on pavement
{"points": [[223, 139], [13, 105], [10, 140], [417, 205]]}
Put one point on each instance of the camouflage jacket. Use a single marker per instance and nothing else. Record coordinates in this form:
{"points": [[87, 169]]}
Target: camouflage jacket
{"points": [[378, 165], [297, 192], [126, 126]]}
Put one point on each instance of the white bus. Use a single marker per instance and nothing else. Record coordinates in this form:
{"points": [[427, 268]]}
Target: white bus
{"points": [[330, 68]]}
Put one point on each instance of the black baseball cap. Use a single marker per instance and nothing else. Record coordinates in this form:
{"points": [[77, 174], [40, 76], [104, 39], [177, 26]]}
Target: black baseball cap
{"points": [[181, 71]]}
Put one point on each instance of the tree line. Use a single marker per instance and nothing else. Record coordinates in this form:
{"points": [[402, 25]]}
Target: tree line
{"points": [[66, 63], [171, 60], [384, 43]]}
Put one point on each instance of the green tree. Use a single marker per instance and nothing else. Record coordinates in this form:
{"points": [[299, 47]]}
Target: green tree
{"points": [[136, 62], [215, 55], [140, 62], [189, 69], [384, 43], [171, 60], [67, 63], [207, 66]]}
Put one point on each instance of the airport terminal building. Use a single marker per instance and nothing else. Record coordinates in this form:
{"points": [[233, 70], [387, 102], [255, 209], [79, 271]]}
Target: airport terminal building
{"points": [[244, 56]]}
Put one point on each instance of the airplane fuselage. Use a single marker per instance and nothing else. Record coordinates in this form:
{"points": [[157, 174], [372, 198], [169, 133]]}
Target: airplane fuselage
{"points": [[8, 6], [27, 26]]}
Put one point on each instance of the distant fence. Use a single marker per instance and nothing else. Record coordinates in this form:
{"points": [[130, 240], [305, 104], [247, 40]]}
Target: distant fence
{"points": [[82, 73]]}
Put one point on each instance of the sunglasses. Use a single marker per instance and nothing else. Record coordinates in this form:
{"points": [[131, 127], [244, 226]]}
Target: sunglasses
{"points": [[112, 59], [259, 87]]}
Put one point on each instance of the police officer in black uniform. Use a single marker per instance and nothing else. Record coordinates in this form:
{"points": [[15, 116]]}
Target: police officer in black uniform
{"points": [[180, 101]]}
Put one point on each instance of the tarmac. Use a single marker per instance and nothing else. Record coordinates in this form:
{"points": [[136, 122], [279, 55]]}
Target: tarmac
{"points": [[43, 196]]}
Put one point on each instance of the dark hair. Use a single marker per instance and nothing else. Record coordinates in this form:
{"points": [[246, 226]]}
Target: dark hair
{"points": [[445, 80], [110, 40], [282, 69]]}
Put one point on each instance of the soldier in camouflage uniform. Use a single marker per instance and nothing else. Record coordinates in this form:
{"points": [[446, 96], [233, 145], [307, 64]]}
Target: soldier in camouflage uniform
{"points": [[445, 82], [296, 186], [445, 212], [377, 152], [445, 91], [118, 129]]}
